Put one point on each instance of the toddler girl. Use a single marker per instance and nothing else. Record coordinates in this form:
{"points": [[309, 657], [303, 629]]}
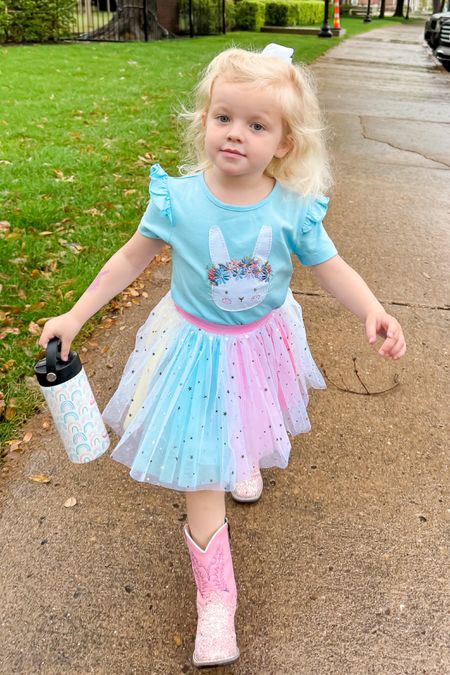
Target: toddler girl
{"points": [[220, 373]]}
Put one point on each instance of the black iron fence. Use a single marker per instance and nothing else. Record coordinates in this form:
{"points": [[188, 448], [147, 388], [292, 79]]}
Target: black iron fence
{"points": [[108, 20], [111, 20], [201, 17]]}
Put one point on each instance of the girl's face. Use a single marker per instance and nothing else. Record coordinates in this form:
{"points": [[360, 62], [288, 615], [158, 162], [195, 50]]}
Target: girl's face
{"points": [[243, 129]]}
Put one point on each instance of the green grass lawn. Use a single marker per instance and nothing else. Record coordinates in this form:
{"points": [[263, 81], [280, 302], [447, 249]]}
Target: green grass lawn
{"points": [[79, 126]]}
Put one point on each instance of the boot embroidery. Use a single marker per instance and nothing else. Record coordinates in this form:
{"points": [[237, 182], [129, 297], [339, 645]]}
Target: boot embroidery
{"points": [[210, 577]]}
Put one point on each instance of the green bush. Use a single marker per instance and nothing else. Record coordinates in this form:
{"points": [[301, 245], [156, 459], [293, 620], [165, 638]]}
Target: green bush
{"points": [[282, 13], [207, 16], [35, 20], [253, 14], [4, 21], [250, 15], [312, 12], [294, 12]]}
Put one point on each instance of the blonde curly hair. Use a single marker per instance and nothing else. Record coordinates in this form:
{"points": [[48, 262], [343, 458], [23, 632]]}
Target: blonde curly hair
{"points": [[305, 168]]}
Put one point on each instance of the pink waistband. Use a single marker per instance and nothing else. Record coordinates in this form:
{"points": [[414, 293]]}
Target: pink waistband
{"points": [[222, 328]]}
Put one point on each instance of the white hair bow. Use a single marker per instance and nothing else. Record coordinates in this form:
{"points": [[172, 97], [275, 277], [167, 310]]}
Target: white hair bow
{"points": [[283, 53]]}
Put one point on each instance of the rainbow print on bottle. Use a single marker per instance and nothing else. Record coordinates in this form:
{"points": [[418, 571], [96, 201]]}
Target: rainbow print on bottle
{"points": [[71, 402]]}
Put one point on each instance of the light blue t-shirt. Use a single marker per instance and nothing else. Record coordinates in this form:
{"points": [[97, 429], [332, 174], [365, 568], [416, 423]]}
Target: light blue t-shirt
{"points": [[232, 264]]}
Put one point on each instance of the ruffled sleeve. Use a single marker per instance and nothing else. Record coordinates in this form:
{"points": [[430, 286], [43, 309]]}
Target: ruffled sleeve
{"points": [[313, 245], [157, 220]]}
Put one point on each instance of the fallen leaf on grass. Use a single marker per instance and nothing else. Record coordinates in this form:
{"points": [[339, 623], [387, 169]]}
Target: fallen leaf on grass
{"points": [[67, 282], [4, 226], [33, 328], [147, 158], [70, 502], [9, 331], [72, 246], [40, 478], [11, 409], [28, 436], [94, 212], [43, 320], [6, 366], [61, 177], [12, 309], [36, 305]]}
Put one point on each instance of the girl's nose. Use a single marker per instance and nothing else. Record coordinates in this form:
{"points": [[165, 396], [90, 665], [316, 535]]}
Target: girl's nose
{"points": [[235, 132]]}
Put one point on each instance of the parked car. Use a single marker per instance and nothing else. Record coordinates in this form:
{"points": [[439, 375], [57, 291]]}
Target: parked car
{"points": [[437, 35]]}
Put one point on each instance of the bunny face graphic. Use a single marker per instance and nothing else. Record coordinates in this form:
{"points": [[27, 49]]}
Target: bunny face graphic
{"points": [[239, 284]]}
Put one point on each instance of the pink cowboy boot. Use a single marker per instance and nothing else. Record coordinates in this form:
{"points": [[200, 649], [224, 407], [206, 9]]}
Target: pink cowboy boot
{"points": [[215, 642], [249, 490]]}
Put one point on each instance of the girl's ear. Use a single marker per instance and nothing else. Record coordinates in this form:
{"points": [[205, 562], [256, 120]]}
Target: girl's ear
{"points": [[283, 148], [204, 116]]}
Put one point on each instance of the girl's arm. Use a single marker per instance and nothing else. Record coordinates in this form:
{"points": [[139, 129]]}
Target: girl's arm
{"points": [[341, 281], [118, 273]]}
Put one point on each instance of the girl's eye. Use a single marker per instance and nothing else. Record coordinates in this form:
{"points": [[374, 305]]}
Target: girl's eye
{"points": [[223, 118], [257, 126]]}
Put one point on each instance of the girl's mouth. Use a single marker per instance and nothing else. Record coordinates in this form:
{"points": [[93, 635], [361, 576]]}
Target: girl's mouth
{"points": [[230, 151]]}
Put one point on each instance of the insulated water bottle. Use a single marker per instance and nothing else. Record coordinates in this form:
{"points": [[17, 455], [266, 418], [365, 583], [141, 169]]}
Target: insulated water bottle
{"points": [[69, 397]]}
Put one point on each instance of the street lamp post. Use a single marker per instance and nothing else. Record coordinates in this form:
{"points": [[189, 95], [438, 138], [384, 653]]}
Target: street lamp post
{"points": [[325, 31], [368, 18]]}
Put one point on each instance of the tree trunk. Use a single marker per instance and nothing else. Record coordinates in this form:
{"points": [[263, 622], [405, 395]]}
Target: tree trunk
{"points": [[399, 8], [382, 8], [128, 23]]}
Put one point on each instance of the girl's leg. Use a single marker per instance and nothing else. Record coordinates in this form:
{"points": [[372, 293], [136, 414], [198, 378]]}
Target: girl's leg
{"points": [[205, 514], [207, 538]]}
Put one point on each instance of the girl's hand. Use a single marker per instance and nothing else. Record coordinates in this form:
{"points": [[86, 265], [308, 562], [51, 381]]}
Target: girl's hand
{"points": [[385, 325], [65, 327]]}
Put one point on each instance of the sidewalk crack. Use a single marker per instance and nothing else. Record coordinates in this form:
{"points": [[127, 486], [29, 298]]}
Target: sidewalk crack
{"points": [[397, 147], [396, 303]]}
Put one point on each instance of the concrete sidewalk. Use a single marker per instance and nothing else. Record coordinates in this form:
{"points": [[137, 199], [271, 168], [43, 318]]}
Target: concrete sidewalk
{"points": [[343, 566]]}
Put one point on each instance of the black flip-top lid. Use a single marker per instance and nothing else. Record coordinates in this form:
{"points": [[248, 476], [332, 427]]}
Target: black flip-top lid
{"points": [[52, 370]]}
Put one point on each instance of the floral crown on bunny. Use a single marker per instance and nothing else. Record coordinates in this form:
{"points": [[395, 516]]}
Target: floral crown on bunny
{"points": [[239, 269], [225, 268]]}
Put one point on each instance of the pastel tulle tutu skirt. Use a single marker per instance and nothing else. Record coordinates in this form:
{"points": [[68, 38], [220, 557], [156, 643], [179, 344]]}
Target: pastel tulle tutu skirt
{"points": [[201, 404]]}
